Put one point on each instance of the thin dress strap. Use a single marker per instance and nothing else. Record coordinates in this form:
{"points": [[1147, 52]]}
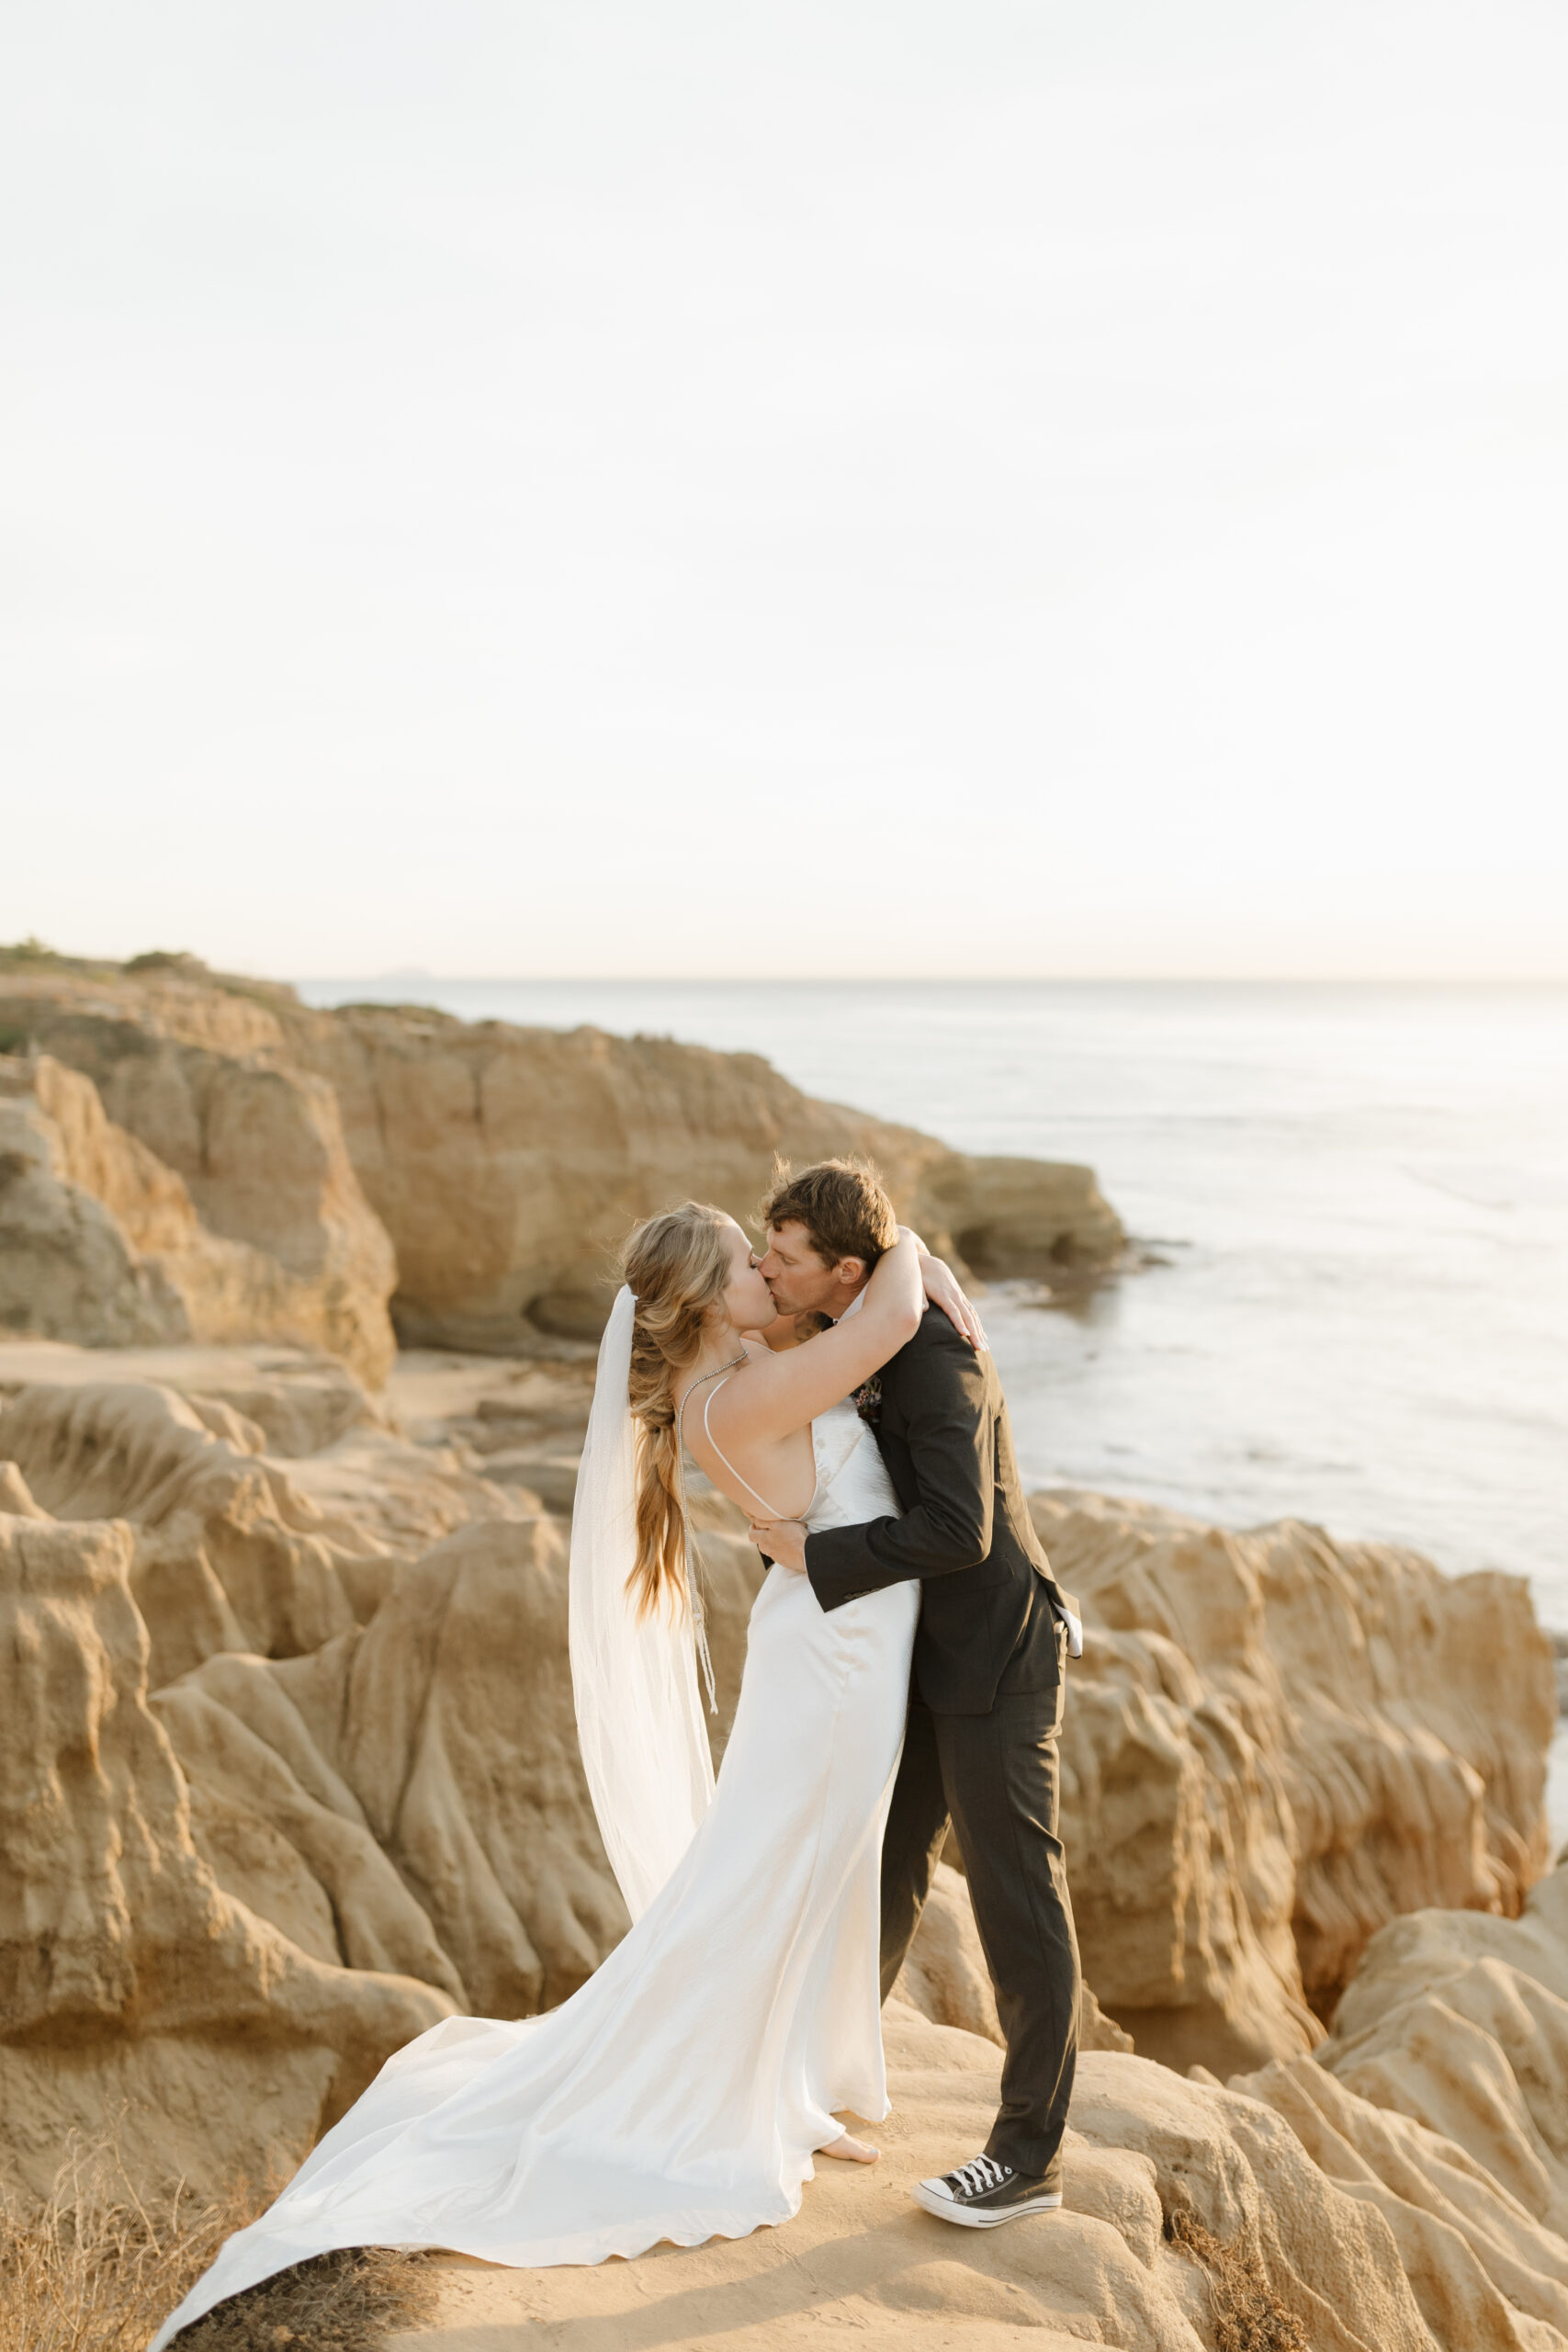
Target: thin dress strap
{"points": [[707, 1431]]}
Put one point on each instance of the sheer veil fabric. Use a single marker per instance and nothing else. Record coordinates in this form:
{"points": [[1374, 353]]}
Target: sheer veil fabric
{"points": [[681, 2093], [634, 1678]]}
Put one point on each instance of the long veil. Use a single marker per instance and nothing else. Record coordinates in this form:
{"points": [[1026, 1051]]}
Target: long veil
{"points": [[634, 1678]]}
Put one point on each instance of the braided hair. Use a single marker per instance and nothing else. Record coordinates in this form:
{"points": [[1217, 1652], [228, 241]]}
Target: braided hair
{"points": [[676, 1267]]}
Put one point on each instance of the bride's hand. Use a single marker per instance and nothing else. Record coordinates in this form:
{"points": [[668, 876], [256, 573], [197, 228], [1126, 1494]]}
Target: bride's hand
{"points": [[783, 1540], [944, 1289]]}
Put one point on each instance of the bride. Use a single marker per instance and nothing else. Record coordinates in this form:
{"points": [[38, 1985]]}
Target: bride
{"points": [[682, 2092]]}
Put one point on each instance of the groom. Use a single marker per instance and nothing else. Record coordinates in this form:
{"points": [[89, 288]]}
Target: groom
{"points": [[985, 1708]]}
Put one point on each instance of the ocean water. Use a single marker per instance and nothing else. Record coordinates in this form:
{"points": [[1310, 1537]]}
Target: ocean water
{"points": [[1357, 1196]]}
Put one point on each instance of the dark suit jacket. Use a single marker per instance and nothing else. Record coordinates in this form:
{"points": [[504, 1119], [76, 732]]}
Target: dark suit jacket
{"points": [[989, 1624]]}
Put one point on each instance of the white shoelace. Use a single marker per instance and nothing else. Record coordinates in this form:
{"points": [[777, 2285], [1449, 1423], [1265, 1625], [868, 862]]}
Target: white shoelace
{"points": [[983, 2173]]}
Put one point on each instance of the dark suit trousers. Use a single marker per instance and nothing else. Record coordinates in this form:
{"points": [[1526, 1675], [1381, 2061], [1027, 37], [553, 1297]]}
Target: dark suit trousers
{"points": [[996, 1775]]}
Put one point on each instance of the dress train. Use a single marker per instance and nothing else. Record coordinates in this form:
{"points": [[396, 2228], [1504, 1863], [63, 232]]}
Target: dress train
{"points": [[681, 2092]]}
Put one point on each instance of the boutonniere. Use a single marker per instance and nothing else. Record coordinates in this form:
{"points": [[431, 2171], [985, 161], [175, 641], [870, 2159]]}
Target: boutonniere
{"points": [[867, 1400]]}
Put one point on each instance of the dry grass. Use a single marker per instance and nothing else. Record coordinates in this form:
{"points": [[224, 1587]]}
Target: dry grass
{"points": [[1248, 2315], [97, 2268], [340, 2303]]}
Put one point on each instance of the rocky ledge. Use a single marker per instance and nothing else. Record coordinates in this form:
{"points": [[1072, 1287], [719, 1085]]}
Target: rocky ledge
{"points": [[290, 1771], [189, 1157], [287, 1769], [1287, 2212]]}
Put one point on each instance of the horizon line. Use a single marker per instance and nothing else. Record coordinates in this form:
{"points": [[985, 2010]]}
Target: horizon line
{"points": [[928, 979]]}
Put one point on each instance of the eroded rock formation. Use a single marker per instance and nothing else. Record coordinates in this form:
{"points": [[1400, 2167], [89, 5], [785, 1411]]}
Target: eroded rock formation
{"points": [[505, 1163], [69, 1269], [1461, 2021], [540, 1148], [129, 1978], [101, 1240], [231, 1551], [1276, 1744], [1315, 2222], [346, 1799], [288, 1771]]}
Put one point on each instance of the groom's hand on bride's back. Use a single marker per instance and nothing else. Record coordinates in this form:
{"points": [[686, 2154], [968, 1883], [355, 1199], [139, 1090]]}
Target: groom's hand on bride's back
{"points": [[783, 1540]]}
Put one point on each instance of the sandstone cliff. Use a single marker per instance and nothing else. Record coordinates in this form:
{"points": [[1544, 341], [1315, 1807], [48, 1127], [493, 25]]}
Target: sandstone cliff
{"points": [[505, 1163], [289, 1772], [356, 1643], [1276, 1744], [541, 1148], [101, 1240], [69, 1268], [128, 1976], [288, 1758], [1462, 2022]]}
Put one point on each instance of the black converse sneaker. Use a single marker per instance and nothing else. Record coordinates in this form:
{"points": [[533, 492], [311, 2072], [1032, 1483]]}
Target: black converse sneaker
{"points": [[985, 2193]]}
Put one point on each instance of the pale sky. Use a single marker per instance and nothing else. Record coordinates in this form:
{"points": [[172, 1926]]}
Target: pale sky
{"points": [[691, 486]]}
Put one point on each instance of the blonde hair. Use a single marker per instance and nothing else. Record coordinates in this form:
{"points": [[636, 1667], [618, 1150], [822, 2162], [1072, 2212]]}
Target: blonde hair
{"points": [[676, 1268]]}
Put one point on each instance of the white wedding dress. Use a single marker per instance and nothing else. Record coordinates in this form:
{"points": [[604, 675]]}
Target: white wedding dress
{"points": [[681, 2093]]}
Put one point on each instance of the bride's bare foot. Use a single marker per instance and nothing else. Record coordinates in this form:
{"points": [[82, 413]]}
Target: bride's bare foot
{"points": [[850, 2150]]}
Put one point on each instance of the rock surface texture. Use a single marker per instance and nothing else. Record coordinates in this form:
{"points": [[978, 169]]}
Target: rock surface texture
{"points": [[101, 1238], [1275, 1745], [541, 1148], [131, 1977], [1195, 2217], [290, 1771], [288, 1767], [503, 1165], [68, 1267], [1462, 2022]]}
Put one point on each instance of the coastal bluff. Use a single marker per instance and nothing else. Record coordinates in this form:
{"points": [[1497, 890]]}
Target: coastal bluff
{"points": [[289, 1773], [189, 1155], [296, 1313]]}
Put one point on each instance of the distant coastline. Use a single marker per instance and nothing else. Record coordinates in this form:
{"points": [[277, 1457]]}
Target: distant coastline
{"points": [[1362, 1190]]}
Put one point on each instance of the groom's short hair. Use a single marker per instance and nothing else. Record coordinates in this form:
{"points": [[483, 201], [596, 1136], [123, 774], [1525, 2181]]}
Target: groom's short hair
{"points": [[842, 1203]]}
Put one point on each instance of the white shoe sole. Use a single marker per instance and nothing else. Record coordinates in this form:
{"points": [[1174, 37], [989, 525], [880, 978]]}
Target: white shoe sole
{"points": [[967, 2218]]}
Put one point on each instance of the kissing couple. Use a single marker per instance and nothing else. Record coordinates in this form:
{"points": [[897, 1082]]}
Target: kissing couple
{"points": [[904, 1669]]}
